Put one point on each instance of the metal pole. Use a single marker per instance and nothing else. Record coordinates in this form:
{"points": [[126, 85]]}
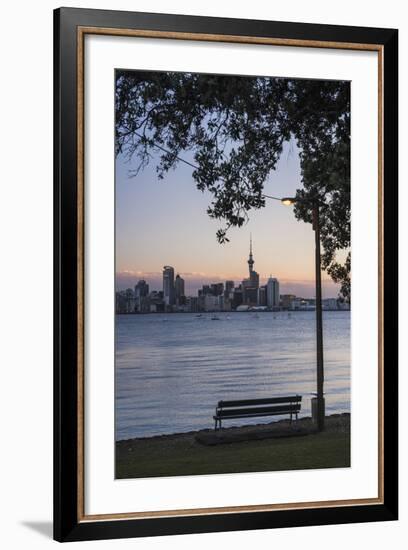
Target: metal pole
{"points": [[319, 323]]}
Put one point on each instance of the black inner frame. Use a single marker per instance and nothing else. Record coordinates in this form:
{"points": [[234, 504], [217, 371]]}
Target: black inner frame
{"points": [[66, 524]]}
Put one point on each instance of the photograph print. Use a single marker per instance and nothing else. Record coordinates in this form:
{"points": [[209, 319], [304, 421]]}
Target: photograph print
{"points": [[232, 273]]}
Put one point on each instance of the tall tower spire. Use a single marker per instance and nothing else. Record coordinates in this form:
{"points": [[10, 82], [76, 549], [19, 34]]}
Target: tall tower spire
{"points": [[250, 259]]}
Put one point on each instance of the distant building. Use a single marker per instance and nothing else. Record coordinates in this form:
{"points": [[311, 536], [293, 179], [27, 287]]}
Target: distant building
{"points": [[142, 304], [156, 302], [286, 300], [168, 285], [250, 295], [330, 304], [262, 296], [193, 305], [226, 303], [125, 301], [120, 302], [217, 289], [141, 289], [179, 290], [229, 286], [212, 303], [272, 293], [201, 301], [237, 297], [206, 289], [302, 304]]}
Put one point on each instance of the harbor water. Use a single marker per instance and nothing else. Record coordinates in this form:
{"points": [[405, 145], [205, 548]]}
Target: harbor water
{"points": [[172, 369]]}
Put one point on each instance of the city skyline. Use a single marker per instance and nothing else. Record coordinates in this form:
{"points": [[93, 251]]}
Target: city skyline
{"points": [[194, 281], [249, 294], [167, 278]]}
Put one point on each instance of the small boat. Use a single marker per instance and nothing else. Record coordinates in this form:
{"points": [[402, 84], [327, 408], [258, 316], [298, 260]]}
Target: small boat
{"points": [[199, 315], [215, 318]]}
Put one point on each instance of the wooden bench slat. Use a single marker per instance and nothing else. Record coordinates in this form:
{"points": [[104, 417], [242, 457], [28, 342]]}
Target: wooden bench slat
{"points": [[252, 415], [259, 410], [262, 401]]}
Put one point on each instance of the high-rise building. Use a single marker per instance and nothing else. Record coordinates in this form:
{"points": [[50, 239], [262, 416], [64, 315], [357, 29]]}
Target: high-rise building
{"points": [[142, 304], [205, 290], [179, 289], [217, 289], [168, 285], [229, 286], [156, 301], [250, 296], [125, 301], [272, 292], [237, 298], [141, 289], [262, 301]]}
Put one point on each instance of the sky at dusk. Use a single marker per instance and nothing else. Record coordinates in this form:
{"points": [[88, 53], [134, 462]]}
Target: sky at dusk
{"points": [[164, 222]]}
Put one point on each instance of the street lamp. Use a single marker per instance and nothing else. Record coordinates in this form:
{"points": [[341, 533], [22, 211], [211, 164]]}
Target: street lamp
{"points": [[314, 203]]}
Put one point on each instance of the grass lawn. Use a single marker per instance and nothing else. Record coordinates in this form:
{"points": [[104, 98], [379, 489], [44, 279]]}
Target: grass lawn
{"points": [[181, 454]]}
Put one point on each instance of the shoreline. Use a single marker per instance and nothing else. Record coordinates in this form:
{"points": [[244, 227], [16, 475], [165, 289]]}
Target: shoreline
{"points": [[242, 429], [274, 446], [230, 311]]}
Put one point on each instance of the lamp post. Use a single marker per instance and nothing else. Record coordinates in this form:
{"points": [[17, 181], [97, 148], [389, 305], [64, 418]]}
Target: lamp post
{"points": [[314, 203]]}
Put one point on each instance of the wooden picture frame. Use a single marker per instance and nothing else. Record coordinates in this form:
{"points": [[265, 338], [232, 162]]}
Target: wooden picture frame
{"points": [[70, 520]]}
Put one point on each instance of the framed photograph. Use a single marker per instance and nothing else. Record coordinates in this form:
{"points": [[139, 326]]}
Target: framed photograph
{"points": [[225, 274]]}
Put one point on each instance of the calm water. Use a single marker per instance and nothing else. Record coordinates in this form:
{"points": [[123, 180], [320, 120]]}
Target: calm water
{"points": [[172, 369]]}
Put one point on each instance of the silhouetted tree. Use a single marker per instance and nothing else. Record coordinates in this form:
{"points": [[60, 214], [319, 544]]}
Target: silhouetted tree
{"points": [[234, 128]]}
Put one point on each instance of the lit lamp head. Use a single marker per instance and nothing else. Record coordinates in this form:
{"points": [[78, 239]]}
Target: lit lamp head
{"points": [[288, 201]]}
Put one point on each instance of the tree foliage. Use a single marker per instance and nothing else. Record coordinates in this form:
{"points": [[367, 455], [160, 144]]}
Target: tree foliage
{"points": [[233, 128]]}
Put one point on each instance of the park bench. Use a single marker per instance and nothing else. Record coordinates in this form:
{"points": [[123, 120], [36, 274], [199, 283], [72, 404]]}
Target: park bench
{"points": [[250, 408]]}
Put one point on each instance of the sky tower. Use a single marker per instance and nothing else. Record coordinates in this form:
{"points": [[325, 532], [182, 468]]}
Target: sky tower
{"points": [[250, 259]]}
